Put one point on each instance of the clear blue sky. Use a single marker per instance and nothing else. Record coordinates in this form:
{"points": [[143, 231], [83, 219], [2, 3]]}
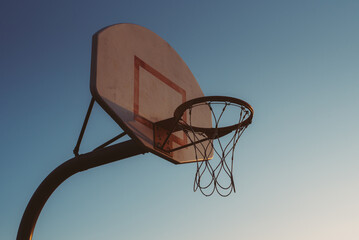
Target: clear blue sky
{"points": [[297, 165]]}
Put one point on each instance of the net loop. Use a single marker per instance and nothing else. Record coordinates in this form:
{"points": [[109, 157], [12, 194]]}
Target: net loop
{"points": [[214, 146]]}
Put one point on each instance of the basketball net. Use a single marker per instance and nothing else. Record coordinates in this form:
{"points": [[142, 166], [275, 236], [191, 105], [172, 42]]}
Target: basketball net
{"points": [[214, 150]]}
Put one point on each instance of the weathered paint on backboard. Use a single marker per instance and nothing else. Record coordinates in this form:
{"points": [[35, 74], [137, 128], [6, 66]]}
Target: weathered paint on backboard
{"points": [[139, 79]]}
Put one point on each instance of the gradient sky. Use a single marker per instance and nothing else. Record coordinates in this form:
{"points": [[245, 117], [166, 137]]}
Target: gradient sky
{"points": [[297, 166]]}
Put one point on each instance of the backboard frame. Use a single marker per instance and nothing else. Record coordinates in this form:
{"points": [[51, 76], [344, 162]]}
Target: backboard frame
{"points": [[140, 63]]}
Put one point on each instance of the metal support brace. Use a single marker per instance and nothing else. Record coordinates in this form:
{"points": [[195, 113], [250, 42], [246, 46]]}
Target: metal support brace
{"points": [[110, 141], [77, 147]]}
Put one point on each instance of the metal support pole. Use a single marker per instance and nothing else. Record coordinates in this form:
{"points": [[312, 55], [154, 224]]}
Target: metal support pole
{"points": [[67, 169]]}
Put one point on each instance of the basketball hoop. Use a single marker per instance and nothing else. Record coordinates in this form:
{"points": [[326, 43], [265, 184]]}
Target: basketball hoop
{"points": [[213, 145], [144, 86]]}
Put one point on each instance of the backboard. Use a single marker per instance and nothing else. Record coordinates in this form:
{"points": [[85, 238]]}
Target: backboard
{"points": [[139, 79]]}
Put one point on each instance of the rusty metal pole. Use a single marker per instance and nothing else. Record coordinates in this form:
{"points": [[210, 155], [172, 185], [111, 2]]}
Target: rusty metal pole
{"points": [[67, 169]]}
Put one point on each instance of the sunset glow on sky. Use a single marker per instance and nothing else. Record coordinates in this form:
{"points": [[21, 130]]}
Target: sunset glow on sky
{"points": [[297, 165]]}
